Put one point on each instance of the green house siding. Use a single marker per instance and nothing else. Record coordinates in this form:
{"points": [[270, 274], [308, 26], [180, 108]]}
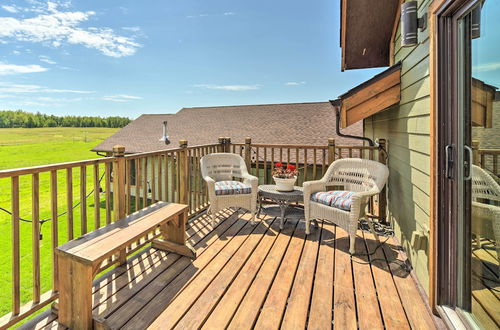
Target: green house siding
{"points": [[406, 128]]}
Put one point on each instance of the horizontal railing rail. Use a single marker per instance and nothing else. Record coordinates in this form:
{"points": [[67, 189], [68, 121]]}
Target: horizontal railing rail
{"points": [[75, 198]]}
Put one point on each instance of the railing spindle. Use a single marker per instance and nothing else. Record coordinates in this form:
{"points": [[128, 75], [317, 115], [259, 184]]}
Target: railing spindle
{"points": [[160, 181], [107, 182], [314, 164], [54, 227], [83, 199], [35, 235], [265, 166], [16, 268], [167, 190], [153, 180], [97, 198], [128, 186], [69, 201], [145, 187], [306, 165]]}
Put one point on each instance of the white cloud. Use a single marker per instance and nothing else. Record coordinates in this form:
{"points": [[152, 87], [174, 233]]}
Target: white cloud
{"points": [[229, 87], [486, 67], [20, 88], [195, 16], [54, 27], [229, 13], [121, 98], [295, 83], [10, 9], [46, 59], [131, 28], [11, 69], [16, 52]]}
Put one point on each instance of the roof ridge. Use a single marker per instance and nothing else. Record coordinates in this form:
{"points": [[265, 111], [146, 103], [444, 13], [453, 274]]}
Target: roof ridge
{"points": [[254, 105]]}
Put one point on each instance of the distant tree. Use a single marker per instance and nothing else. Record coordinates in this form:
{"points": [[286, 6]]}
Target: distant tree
{"points": [[19, 118]]}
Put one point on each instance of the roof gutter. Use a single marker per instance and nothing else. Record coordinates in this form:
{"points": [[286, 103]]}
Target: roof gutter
{"points": [[337, 105]]}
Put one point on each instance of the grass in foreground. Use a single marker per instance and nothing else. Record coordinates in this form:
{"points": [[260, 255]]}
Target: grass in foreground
{"points": [[40, 146]]}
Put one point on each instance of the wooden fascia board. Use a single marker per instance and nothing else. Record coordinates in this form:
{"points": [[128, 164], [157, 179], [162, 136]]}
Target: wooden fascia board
{"points": [[371, 99], [343, 31], [393, 35]]}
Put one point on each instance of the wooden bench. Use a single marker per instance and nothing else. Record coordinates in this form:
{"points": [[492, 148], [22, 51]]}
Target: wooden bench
{"points": [[80, 260]]}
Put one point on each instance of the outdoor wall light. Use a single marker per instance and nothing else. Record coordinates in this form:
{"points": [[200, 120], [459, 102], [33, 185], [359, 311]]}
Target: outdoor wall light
{"points": [[410, 23], [476, 22], [164, 138]]}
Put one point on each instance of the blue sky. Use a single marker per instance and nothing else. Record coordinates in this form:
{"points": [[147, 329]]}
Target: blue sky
{"points": [[132, 57]]}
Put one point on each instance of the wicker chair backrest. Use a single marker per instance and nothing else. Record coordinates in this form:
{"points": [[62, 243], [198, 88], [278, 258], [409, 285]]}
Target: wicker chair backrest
{"points": [[484, 186], [222, 166], [358, 175]]}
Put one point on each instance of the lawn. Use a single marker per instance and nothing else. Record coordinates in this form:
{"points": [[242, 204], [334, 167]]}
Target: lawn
{"points": [[31, 147]]}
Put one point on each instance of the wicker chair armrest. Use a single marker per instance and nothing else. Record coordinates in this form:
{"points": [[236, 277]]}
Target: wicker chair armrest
{"points": [[364, 194], [310, 187], [492, 210], [210, 182], [250, 180]]}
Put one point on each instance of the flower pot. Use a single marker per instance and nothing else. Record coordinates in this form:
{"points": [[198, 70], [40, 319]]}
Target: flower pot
{"points": [[285, 184]]}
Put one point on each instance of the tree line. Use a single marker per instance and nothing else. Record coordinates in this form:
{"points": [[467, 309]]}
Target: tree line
{"points": [[23, 119]]}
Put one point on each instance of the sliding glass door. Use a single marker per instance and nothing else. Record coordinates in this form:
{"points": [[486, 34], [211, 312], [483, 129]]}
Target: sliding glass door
{"points": [[471, 164]]}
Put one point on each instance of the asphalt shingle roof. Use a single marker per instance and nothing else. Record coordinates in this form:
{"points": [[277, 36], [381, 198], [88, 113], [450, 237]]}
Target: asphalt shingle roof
{"points": [[293, 123]]}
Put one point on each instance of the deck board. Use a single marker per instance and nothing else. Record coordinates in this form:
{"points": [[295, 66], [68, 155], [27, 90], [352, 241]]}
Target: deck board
{"points": [[237, 271], [393, 312], [367, 306], [321, 309], [258, 276]]}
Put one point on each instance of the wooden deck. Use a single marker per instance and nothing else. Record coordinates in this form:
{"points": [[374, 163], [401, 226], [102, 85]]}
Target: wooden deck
{"points": [[258, 276], [485, 284]]}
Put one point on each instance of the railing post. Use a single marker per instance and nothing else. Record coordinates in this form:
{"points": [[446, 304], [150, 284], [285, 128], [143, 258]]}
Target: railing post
{"points": [[118, 182], [227, 144], [382, 202], [331, 150], [248, 153], [182, 162], [220, 147], [475, 152]]}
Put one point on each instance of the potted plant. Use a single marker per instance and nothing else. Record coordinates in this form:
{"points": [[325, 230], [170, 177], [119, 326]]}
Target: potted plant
{"points": [[284, 176]]}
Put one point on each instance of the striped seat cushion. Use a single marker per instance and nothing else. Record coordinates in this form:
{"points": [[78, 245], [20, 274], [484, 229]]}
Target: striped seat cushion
{"points": [[231, 188], [339, 199]]}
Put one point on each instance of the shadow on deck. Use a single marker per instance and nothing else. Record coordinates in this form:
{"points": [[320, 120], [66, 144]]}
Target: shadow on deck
{"points": [[258, 276]]}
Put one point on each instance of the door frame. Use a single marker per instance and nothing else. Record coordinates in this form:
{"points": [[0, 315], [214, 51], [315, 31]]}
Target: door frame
{"points": [[444, 235]]}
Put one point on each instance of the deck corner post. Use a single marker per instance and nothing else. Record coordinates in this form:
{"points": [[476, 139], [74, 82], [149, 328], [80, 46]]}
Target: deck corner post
{"points": [[331, 150], [118, 182], [183, 172], [248, 152], [382, 158]]}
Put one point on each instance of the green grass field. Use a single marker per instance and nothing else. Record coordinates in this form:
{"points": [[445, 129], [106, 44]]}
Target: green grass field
{"points": [[31, 147]]}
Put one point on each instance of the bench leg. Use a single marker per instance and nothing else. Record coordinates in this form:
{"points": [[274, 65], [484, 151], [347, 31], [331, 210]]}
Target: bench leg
{"points": [[75, 293], [174, 237]]}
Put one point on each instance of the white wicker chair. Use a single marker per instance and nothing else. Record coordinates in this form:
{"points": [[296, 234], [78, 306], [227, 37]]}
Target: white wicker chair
{"points": [[219, 170], [485, 207], [361, 178]]}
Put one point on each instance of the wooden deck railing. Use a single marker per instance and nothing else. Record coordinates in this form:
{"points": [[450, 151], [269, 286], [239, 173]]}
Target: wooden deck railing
{"points": [[487, 158], [78, 197]]}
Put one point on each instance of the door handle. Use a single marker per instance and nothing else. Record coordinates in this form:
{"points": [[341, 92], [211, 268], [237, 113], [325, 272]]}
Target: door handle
{"points": [[449, 161], [468, 163]]}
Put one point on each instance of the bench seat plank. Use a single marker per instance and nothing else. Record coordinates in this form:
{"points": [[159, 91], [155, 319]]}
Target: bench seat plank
{"points": [[123, 233]]}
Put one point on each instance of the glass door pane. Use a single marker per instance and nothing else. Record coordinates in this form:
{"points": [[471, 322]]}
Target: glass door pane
{"points": [[479, 143]]}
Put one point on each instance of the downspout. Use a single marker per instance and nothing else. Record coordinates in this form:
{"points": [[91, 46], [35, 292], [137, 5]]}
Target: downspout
{"points": [[337, 105]]}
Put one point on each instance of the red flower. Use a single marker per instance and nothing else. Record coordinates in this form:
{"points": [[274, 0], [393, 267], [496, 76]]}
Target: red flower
{"points": [[278, 165], [290, 167]]}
